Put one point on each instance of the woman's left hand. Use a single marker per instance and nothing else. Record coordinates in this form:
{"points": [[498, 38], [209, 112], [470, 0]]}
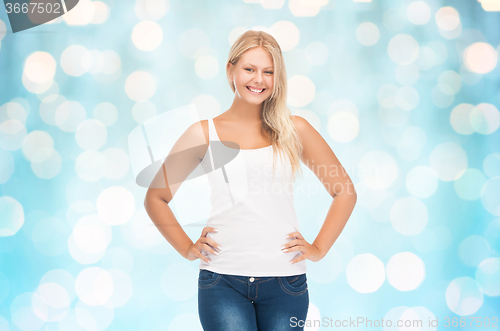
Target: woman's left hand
{"points": [[308, 250]]}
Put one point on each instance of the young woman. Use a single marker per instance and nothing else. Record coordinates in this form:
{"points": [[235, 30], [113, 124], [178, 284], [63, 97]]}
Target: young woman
{"points": [[252, 255]]}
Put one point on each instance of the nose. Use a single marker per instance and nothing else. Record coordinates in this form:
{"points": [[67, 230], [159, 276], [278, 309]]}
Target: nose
{"points": [[258, 78]]}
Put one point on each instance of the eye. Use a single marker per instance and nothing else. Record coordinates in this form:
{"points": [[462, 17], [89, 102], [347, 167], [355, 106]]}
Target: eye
{"points": [[269, 72], [248, 69]]}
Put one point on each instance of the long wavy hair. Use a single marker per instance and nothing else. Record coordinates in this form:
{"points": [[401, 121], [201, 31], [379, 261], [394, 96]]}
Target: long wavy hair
{"points": [[276, 117]]}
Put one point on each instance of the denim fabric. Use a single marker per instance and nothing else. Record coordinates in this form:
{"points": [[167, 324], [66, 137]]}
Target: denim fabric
{"points": [[241, 303]]}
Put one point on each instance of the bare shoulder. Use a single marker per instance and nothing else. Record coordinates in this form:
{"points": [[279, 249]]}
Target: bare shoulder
{"points": [[308, 134], [195, 127], [320, 158], [301, 123], [195, 135]]}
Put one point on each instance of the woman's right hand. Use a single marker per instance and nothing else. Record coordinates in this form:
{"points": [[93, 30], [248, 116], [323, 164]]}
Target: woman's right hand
{"points": [[204, 243]]}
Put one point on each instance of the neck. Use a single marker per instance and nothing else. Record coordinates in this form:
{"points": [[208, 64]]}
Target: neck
{"points": [[241, 110]]}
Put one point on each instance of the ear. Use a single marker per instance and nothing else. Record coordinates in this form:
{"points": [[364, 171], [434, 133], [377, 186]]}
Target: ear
{"points": [[230, 70]]}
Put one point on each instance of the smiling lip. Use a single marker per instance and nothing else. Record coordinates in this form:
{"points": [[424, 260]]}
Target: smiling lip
{"points": [[263, 89]]}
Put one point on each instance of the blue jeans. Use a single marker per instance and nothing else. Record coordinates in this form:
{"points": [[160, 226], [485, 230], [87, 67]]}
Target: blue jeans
{"points": [[240, 303]]}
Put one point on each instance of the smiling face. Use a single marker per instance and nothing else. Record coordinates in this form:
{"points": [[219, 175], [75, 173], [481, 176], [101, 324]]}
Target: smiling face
{"points": [[253, 75]]}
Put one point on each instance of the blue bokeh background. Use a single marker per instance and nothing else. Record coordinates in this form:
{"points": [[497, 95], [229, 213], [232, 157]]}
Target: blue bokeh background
{"points": [[406, 93]]}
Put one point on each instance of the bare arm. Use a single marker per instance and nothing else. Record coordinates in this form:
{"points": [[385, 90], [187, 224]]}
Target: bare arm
{"points": [[184, 157], [319, 157], [164, 219]]}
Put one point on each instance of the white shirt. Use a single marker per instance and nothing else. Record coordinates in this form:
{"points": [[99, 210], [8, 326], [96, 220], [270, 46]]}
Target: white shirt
{"points": [[252, 212]]}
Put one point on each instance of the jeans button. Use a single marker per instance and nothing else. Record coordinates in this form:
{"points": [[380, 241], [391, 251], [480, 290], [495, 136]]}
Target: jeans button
{"points": [[252, 279]]}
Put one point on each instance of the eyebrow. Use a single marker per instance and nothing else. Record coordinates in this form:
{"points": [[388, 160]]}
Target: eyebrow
{"points": [[254, 66]]}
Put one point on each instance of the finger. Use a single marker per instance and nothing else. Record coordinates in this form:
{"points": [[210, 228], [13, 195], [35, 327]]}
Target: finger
{"points": [[209, 241], [208, 229], [298, 242], [204, 243], [293, 243], [295, 234], [296, 248], [203, 257], [213, 243], [198, 252], [210, 249], [300, 258]]}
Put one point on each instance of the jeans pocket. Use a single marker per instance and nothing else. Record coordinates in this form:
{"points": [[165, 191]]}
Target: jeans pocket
{"points": [[207, 278], [295, 285]]}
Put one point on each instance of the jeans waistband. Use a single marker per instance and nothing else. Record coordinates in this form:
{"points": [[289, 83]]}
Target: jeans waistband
{"points": [[252, 279]]}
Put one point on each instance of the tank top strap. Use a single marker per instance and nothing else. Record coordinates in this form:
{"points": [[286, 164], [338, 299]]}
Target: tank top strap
{"points": [[212, 136], [212, 133]]}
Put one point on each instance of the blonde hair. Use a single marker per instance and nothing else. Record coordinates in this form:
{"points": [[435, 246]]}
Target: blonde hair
{"points": [[276, 117]]}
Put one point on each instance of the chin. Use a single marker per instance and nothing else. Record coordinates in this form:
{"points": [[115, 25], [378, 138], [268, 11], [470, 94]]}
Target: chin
{"points": [[254, 102]]}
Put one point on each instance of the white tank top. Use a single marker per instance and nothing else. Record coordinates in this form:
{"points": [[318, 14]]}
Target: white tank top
{"points": [[252, 212]]}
